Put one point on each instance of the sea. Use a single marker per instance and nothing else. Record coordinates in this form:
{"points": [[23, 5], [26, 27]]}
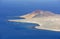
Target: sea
{"points": [[11, 9]]}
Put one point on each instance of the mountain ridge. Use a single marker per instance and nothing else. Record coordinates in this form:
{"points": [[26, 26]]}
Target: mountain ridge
{"points": [[38, 13]]}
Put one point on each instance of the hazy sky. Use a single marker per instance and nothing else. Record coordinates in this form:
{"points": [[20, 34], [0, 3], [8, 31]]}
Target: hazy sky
{"points": [[29, 0]]}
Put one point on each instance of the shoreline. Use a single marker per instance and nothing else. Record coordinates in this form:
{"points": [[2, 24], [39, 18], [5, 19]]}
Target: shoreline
{"points": [[47, 29], [35, 27]]}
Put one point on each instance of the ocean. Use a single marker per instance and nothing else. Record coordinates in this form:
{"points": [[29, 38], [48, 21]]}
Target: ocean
{"points": [[14, 30]]}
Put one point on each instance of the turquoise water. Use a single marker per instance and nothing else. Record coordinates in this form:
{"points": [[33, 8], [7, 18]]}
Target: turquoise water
{"points": [[13, 30]]}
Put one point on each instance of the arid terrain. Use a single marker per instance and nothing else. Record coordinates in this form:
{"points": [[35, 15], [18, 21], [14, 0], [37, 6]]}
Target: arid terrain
{"points": [[46, 19]]}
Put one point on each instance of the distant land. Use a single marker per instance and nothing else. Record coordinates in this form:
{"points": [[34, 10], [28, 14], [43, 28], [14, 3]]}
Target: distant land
{"points": [[47, 20]]}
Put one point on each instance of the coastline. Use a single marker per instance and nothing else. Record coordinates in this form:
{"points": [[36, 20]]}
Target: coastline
{"points": [[38, 27]]}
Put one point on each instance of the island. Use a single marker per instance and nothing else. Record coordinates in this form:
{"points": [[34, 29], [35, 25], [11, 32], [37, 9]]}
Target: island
{"points": [[45, 19]]}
